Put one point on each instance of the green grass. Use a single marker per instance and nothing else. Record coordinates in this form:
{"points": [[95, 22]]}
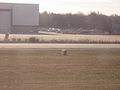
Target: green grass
{"points": [[84, 69]]}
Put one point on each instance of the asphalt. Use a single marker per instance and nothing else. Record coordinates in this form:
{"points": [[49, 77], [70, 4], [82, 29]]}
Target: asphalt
{"points": [[56, 46]]}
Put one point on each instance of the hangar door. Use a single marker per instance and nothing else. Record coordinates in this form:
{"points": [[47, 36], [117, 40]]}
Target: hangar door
{"points": [[25, 15], [5, 21]]}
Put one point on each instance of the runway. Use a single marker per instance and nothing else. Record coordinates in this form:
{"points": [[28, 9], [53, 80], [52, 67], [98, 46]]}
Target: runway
{"points": [[55, 46]]}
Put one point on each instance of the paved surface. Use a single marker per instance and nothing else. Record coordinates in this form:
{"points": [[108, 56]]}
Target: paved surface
{"points": [[56, 46]]}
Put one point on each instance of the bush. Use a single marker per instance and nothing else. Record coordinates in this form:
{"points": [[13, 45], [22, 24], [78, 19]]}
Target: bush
{"points": [[19, 40], [13, 39], [33, 40]]}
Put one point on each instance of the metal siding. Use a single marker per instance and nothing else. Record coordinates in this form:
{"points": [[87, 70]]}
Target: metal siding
{"points": [[5, 6], [5, 21], [25, 14]]}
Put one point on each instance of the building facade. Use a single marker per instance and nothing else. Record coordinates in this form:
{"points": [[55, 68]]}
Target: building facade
{"points": [[18, 18]]}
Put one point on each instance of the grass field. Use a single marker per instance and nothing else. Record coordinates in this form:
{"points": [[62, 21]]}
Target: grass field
{"points": [[65, 38], [84, 69]]}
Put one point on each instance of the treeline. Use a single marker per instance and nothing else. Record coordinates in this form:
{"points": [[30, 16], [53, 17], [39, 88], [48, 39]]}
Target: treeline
{"points": [[95, 21]]}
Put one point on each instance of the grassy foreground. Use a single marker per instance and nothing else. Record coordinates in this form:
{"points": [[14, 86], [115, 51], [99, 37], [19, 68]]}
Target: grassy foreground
{"points": [[85, 69]]}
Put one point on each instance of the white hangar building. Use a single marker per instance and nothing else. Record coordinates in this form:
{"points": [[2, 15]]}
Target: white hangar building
{"points": [[18, 17]]}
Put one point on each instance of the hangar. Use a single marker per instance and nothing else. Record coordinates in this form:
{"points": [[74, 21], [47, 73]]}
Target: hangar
{"points": [[16, 17]]}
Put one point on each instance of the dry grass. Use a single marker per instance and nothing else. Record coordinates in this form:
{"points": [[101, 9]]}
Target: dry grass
{"points": [[97, 69], [68, 37]]}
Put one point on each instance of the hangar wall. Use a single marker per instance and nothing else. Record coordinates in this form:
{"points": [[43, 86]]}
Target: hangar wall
{"points": [[18, 17], [25, 14]]}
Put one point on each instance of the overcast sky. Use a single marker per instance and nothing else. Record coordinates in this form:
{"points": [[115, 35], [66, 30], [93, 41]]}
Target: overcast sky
{"points": [[107, 7]]}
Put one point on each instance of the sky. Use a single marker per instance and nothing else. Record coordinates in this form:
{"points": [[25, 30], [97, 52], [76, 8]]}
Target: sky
{"points": [[107, 7]]}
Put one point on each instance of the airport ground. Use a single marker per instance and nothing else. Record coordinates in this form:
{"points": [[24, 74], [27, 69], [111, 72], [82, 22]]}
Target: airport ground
{"points": [[48, 69]]}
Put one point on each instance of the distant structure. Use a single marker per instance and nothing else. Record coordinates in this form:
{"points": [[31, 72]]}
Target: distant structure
{"points": [[18, 18]]}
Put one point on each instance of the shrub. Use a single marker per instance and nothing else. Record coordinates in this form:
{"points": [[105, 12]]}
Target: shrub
{"points": [[19, 40], [13, 39], [33, 40]]}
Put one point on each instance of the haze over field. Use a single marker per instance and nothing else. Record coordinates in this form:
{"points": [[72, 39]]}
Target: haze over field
{"points": [[107, 7]]}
